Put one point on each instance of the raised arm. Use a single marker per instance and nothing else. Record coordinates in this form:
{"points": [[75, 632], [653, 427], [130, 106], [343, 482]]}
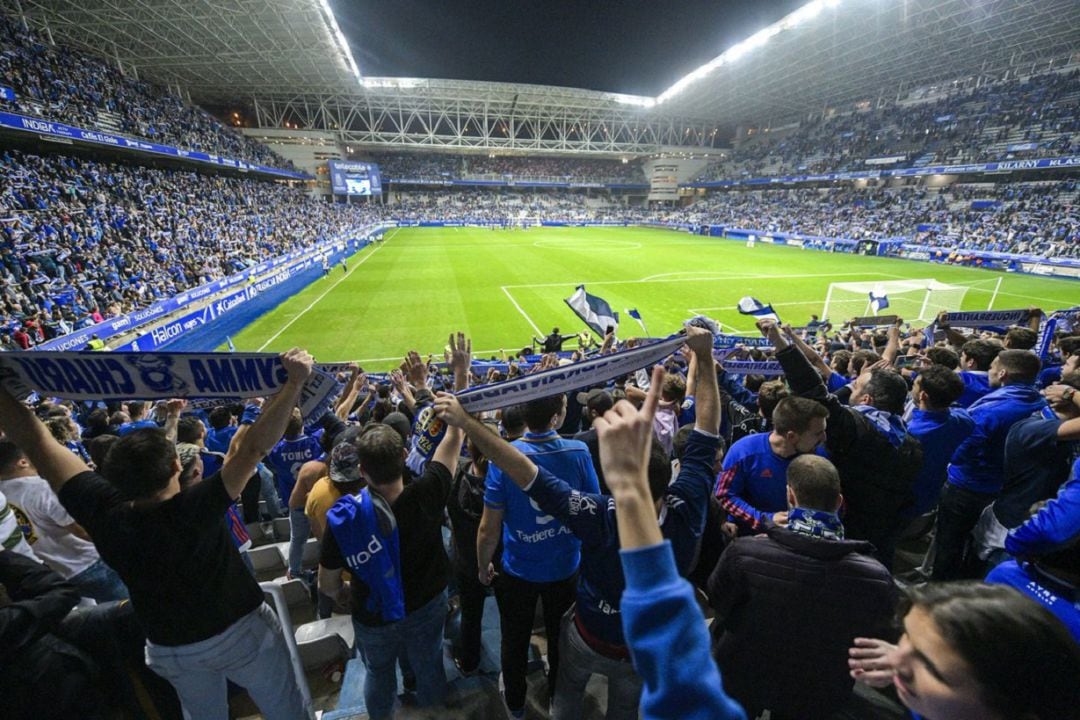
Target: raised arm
{"points": [[261, 437], [892, 347], [173, 408], [809, 353], [53, 461], [508, 458], [703, 375]]}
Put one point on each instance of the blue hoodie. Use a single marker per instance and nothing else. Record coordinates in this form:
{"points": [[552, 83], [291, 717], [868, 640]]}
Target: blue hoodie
{"points": [[940, 433], [978, 464], [1056, 525], [668, 642]]}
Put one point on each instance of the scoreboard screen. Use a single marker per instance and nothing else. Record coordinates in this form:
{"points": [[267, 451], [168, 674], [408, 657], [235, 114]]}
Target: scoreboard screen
{"points": [[355, 178]]}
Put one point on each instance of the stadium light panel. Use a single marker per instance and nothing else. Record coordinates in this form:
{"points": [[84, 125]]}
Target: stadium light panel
{"points": [[791, 21], [339, 38]]}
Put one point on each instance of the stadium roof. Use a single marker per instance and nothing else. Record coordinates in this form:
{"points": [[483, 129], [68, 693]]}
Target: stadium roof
{"points": [[827, 54], [835, 52], [212, 48]]}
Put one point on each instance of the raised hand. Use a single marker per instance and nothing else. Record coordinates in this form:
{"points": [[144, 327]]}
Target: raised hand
{"points": [[460, 355], [298, 364], [415, 369], [449, 410], [699, 341]]}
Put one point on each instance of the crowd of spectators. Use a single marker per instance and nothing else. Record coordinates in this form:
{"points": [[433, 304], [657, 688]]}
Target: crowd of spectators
{"points": [[798, 506], [430, 166], [60, 83], [967, 126], [1039, 218], [82, 240]]}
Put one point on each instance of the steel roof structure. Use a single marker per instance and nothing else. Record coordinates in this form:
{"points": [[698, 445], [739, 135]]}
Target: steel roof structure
{"points": [[289, 60]]}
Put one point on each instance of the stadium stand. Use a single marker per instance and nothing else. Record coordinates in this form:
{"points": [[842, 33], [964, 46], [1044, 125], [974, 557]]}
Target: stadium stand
{"points": [[423, 166], [59, 83], [1030, 117]]}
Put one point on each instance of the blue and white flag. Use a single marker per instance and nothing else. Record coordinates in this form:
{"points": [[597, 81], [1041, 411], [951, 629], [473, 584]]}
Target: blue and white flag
{"points": [[594, 311], [878, 300], [637, 316], [752, 306], [229, 343]]}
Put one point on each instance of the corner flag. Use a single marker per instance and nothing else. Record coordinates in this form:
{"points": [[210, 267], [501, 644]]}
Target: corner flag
{"points": [[593, 310]]}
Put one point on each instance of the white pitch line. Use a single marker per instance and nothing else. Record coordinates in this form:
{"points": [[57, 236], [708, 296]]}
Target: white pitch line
{"points": [[575, 283], [523, 313], [315, 302]]}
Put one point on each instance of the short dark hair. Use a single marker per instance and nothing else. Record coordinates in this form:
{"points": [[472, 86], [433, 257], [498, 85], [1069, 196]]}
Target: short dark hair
{"points": [[841, 360], [982, 352], [1069, 345], [538, 413], [888, 390], [659, 470], [98, 419], [769, 395], [189, 429], [794, 413], [141, 463], [1022, 365], [1020, 655], [943, 356], [862, 358], [512, 420], [10, 453], [98, 448], [136, 409], [220, 417], [815, 482], [942, 386], [1021, 338], [380, 450]]}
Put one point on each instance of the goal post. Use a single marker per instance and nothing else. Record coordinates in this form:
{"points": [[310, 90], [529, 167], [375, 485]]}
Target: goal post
{"points": [[910, 299]]}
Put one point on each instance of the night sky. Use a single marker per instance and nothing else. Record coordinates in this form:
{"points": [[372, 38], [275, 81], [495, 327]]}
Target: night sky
{"points": [[629, 46]]}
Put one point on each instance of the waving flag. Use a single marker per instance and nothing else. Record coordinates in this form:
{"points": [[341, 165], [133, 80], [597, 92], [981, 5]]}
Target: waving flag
{"points": [[229, 342], [593, 310], [878, 300], [752, 306], [637, 316]]}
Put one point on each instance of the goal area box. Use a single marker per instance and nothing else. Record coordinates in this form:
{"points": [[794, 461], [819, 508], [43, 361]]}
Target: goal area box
{"points": [[910, 299]]}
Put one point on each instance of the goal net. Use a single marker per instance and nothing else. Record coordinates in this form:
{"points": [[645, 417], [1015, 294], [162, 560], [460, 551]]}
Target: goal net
{"points": [[910, 299]]}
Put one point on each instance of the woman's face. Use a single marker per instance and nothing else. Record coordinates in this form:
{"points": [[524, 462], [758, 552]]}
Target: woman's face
{"points": [[931, 678]]}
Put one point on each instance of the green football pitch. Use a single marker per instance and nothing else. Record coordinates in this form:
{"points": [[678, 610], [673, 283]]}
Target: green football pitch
{"points": [[504, 286]]}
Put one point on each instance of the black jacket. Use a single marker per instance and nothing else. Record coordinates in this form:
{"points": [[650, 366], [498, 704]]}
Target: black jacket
{"points": [[877, 479], [788, 606]]}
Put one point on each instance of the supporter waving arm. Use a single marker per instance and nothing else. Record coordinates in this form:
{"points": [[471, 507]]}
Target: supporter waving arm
{"points": [[260, 438]]}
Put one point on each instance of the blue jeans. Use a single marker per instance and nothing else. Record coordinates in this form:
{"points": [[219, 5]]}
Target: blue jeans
{"points": [[251, 652], [299, 530], [419, 636], [100, 582]]}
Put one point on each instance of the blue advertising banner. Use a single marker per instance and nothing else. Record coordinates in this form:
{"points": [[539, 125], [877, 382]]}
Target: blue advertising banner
{"points": [[52, 129], [515, 182]]}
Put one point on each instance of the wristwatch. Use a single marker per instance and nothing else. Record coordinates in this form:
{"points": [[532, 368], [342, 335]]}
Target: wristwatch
{"points": [[1067, 394]]}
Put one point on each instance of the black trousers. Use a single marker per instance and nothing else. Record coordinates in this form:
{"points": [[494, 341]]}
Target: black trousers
{"points": [[958, 512], [471, 594], [517, 608]]}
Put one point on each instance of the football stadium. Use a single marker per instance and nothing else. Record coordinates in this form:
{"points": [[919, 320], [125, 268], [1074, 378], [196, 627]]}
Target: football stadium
{"points": [[554, 360]]}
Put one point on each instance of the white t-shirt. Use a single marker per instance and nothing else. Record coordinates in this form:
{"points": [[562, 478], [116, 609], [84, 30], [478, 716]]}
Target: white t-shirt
{"points": [[36, 506], [11, 535]]}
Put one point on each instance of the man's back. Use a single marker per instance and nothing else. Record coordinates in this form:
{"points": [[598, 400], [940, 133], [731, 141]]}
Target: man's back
{"points": [[788, 606], [536, 546], [186, 578]]}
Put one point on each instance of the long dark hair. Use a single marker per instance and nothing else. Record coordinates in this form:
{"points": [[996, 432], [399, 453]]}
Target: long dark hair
{"points": [[1025, 661]]}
